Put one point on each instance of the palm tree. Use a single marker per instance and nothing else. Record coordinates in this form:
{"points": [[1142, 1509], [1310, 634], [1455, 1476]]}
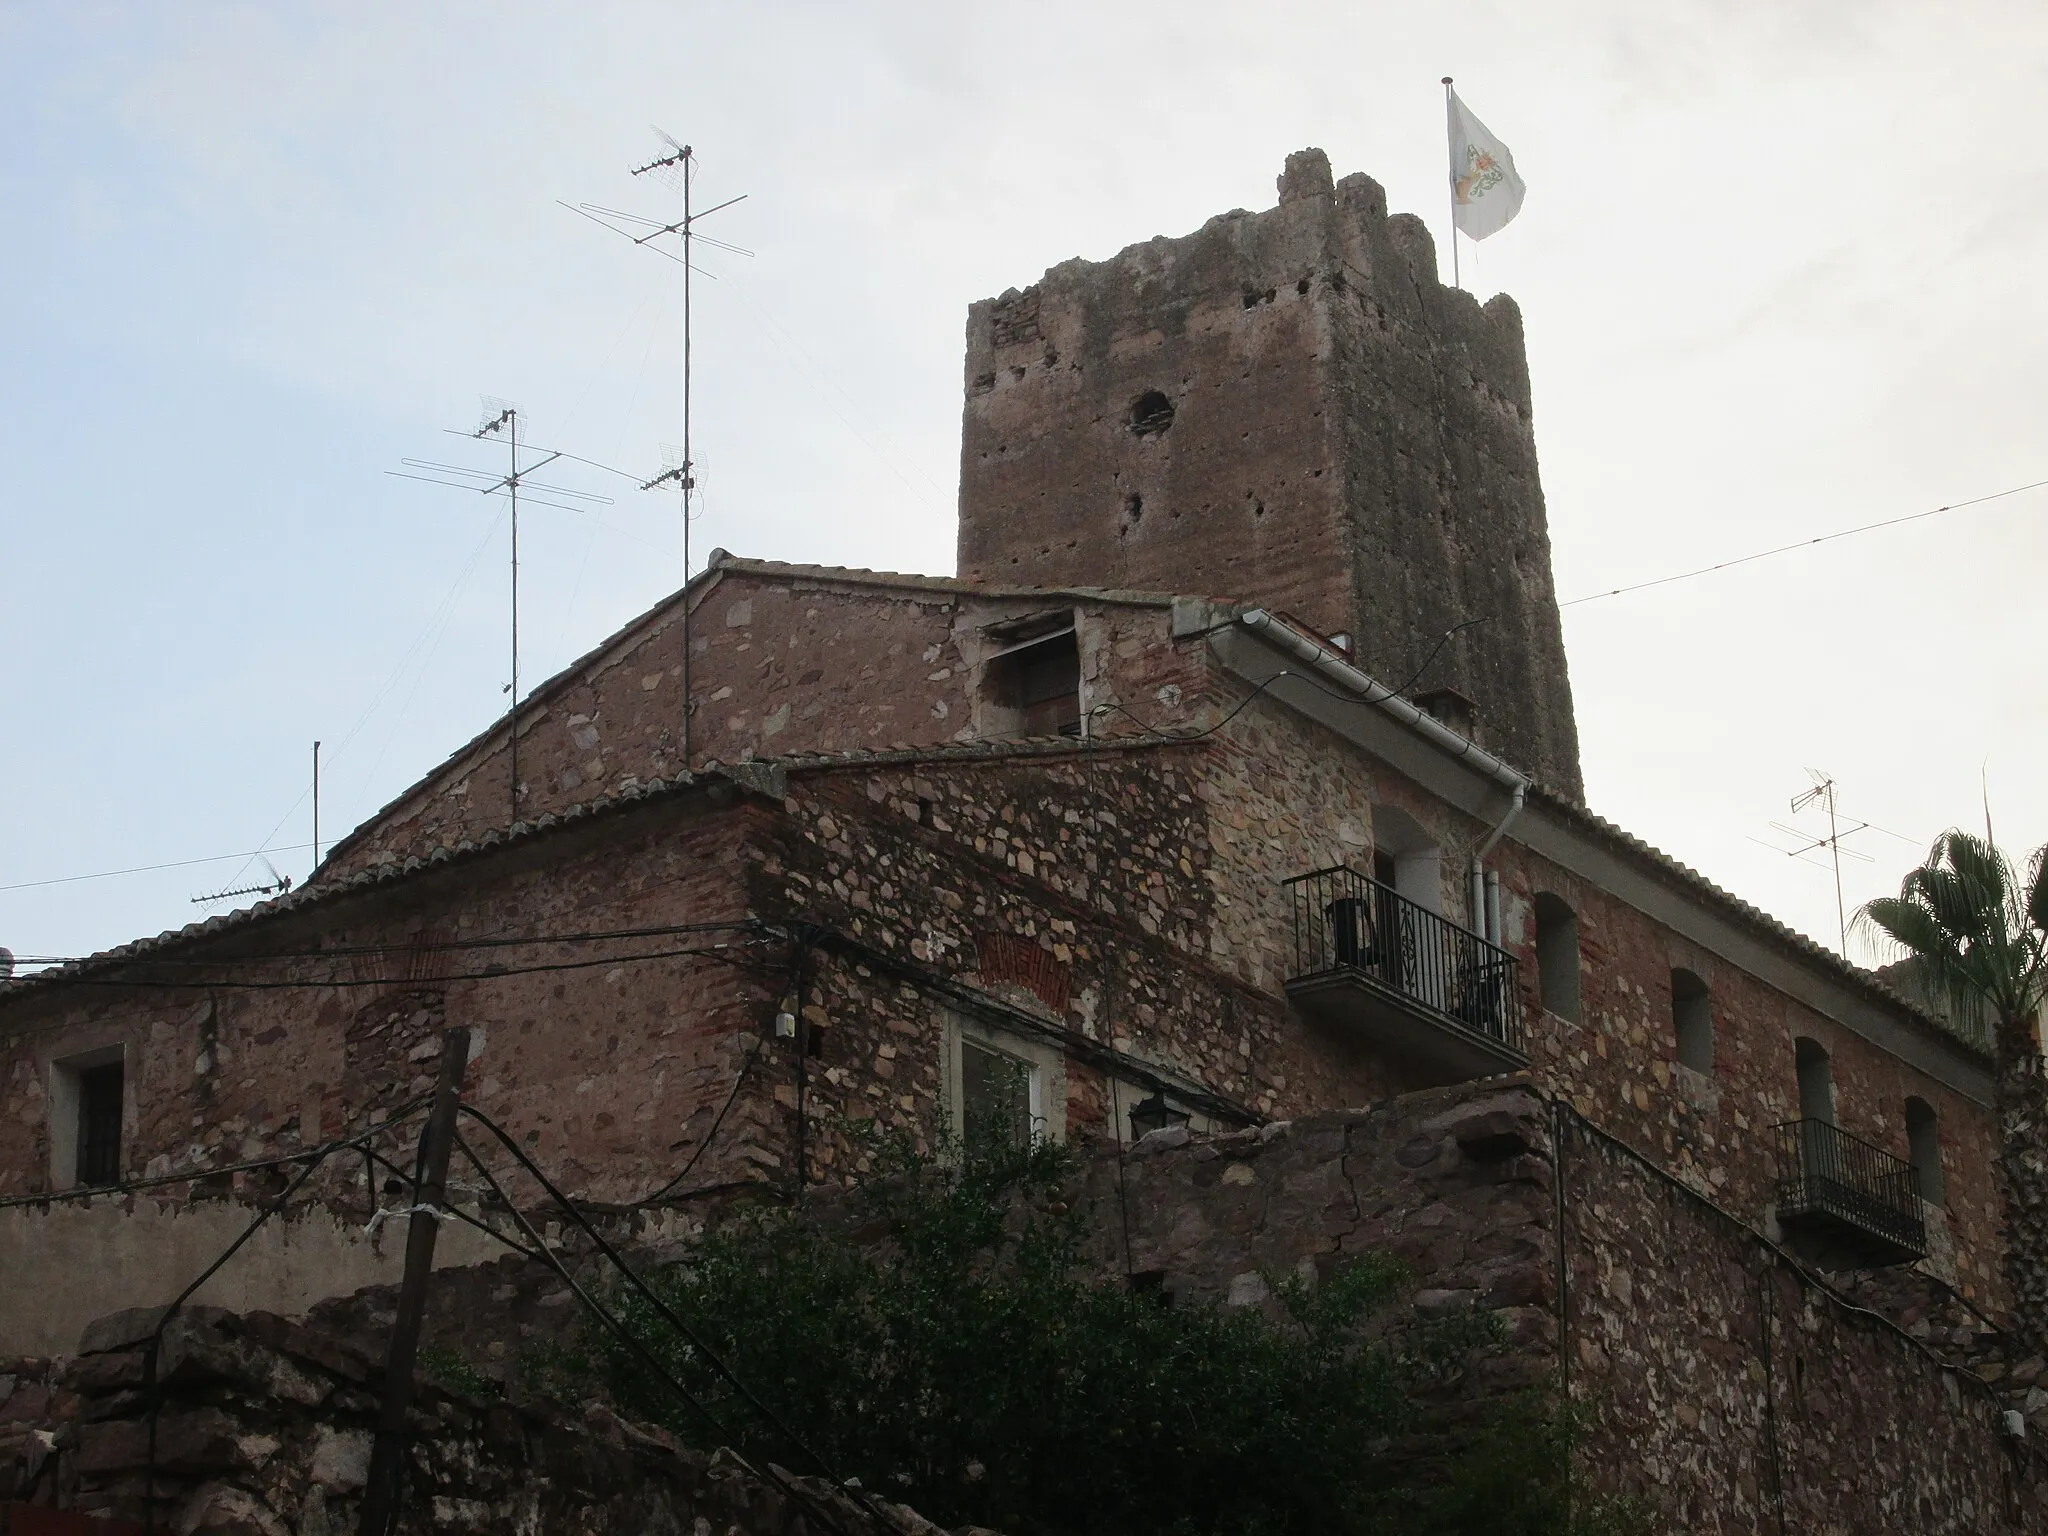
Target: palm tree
{"points": [[1976, 939]]}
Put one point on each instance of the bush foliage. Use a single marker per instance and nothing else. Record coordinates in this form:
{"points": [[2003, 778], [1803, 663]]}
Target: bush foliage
{"points": [[958, 1354]]}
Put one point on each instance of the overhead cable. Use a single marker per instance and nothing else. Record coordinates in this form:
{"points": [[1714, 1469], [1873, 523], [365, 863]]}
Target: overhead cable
{"points": [[1825, 538]]}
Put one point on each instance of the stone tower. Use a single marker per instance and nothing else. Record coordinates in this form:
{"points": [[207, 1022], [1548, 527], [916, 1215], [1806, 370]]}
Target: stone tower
{"points": [[1286, 408]]}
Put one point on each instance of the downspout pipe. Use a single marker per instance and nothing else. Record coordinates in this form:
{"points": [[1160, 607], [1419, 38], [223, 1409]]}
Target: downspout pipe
{"points": [[1332, 667], [1485, 887]]}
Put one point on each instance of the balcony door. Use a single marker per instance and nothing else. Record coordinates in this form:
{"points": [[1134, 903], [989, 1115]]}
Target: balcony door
{"points": [[1407, 859]]}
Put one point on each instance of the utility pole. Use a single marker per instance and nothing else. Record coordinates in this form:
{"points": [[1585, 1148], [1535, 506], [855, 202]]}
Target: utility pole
{"points": [[385, 1487], [316, 805]]}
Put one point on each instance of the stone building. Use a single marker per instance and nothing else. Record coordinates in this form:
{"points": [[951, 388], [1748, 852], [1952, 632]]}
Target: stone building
{"points": [[1124, 824]]}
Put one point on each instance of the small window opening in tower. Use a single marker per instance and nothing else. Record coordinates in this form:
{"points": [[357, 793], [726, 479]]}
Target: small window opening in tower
{"points": [[1134, 509], [1151, 415]]}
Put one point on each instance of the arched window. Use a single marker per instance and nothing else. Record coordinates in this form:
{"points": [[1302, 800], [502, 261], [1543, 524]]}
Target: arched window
{"points": [[1557, 956], [1692, 1019], [1816, 1080], [1923, 1137]]}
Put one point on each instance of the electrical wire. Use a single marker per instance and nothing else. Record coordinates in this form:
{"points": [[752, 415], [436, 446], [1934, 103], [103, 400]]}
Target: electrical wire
{"points": [[421, 947], [739, 1081], [194, 1175], [456, 1211], [151, 1387], [144, 869], [668, 1315], [1098, 1053], [1825, 538], [1242, 705], [321, 983], [768, 1472]]}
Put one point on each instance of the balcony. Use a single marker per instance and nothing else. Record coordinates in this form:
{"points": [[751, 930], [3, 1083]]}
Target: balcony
{"points": [[1844, 1203], [1434, 997]]}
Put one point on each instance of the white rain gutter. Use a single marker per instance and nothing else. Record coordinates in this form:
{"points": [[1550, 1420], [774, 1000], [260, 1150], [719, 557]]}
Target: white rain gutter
{"points": [[1332, 666]]}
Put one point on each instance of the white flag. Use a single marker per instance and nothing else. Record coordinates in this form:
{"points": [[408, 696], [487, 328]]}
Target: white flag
{"points": [[1485, 191]]}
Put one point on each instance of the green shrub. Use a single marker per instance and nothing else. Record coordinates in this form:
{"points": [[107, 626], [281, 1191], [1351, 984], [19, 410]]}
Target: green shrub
{"points": [[958, 1354]]}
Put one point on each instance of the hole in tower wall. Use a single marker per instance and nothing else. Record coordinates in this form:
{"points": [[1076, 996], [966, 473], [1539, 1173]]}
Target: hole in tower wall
{"points": [[1152, 413], [1134, 509], [1302, 286]]}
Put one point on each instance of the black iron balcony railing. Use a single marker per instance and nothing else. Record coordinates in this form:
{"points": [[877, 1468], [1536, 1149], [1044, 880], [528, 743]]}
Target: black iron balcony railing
{"points": [[1346, 922], [1828, 1177]]}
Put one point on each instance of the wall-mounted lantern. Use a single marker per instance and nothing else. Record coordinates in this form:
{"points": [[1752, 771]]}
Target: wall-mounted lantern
{"points": [[1155, 1114]]}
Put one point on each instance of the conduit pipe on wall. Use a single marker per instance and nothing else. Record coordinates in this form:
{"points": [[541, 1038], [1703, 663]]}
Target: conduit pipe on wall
{"points": [[1328, 664], [1485, 883]]}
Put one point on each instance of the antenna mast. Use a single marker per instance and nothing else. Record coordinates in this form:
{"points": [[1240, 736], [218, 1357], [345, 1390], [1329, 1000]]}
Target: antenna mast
{"points": [[682, 160], [1823, 794], [506, 421], [677, 165], [501, 419]]}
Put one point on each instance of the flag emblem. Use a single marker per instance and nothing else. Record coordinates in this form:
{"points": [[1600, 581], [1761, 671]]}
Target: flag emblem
{"points": [[1485, 191]]}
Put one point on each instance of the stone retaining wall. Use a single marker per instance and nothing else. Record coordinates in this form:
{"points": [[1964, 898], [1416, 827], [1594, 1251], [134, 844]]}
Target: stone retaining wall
{"points": [[266, 1429], [1720, 1384]]}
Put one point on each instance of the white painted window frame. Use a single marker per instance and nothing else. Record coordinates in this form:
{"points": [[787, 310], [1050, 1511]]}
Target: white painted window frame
{"points": [[1044, 1062]]}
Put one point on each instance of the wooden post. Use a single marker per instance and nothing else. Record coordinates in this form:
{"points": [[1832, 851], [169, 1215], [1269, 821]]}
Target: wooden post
{"points": [[386, 1484]]}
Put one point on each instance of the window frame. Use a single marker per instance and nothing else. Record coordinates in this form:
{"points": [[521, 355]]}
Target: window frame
{"points": [[1003, 673], [65, 1109], [1043, 1059]]}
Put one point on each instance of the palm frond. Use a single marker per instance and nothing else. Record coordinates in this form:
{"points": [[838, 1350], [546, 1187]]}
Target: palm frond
{"points": [[1976, 942]]}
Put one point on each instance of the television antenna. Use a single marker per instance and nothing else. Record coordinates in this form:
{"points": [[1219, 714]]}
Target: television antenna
{"points": [[1822, 793], [276, 885], [676, 168], [500, 420]]}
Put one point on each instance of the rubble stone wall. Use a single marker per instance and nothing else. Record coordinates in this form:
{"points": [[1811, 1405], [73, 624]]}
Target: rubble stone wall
{"points": [[783, 662], [1103, 861], [607, 1060], [1731, 1392], [1724, 1387], [1618, 1064], [266, 1427]]}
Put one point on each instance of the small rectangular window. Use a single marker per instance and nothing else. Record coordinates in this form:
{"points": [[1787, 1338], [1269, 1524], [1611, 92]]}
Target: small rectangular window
{"points": [[99, 1124], [1001, 1085]]}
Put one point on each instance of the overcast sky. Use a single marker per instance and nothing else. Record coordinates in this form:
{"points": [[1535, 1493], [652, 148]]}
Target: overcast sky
{"points": [[1780, 266]]}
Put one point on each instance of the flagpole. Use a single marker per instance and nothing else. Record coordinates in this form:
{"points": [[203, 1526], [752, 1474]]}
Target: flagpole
{"points": [[1450, 142]]}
